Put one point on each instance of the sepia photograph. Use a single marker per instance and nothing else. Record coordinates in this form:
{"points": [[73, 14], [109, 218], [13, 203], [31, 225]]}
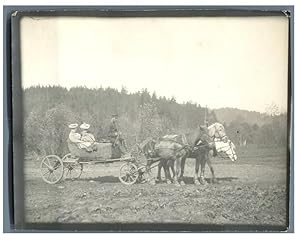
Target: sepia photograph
{"points": [[155, 120]]}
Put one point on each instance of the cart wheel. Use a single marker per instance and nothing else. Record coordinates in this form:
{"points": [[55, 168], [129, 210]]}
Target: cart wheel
{"points": [[72, 170], [52, 169], [66, 157], [128, 173]]}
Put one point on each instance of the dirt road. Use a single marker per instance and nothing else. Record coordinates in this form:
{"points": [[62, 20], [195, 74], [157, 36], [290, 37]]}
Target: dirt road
{"points": [[251, 190]]}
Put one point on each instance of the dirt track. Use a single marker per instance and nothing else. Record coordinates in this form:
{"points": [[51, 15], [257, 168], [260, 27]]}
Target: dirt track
{"points": [[249, 191]]}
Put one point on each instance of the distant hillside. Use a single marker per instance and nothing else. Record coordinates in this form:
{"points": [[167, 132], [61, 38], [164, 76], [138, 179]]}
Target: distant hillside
{"points": [[49, 110], [232, 114]]}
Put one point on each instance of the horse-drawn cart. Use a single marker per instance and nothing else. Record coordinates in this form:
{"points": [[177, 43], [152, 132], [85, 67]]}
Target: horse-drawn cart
{"points": [[53, 168]]}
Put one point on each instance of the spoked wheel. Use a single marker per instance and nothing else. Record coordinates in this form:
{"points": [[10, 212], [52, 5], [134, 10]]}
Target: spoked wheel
{"points": [[67, 157], [128, 173], [52, 169], [72, 170]]}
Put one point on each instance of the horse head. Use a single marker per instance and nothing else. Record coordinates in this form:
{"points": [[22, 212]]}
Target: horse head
{"points": [[217, 131], [203, 134], [148, 148]]}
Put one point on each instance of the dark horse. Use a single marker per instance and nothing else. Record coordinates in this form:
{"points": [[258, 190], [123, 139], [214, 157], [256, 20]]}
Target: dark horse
{"points": [[204, 151], [172, 149], [199, 144], [147, 148], [167, 153]]}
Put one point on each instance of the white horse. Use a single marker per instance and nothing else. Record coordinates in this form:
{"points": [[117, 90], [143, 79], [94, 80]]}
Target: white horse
{"points": [[223, 147]]}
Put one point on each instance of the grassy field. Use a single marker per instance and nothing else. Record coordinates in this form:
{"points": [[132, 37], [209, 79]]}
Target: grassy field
{"points": [[250, 191]]}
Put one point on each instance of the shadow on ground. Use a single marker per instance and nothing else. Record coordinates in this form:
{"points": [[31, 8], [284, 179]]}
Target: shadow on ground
{"points": [[190, 180], [187, 180], [103, 179]]}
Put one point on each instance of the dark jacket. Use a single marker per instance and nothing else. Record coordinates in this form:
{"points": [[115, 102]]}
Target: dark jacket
{"points": [[113, 129]]}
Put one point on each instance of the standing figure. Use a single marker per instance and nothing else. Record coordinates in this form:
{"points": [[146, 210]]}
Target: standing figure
{"points": [[113, 128], [115, 136]]}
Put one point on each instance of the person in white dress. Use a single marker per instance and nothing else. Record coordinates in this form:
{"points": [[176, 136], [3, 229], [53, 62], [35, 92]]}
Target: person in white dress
{"points": [[74, 137], [88, 139]]}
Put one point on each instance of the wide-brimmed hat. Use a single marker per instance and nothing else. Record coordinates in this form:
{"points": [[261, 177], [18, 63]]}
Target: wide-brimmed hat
{"points": [[114, 115], [84, 126], [73, 126]]}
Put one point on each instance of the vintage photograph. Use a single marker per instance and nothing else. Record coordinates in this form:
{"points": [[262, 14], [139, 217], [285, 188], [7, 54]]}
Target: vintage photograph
{"points": [[155, 119]]}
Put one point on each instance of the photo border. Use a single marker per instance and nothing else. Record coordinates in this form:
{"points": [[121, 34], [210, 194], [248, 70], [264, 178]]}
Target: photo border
{"points": [[13, 125]]}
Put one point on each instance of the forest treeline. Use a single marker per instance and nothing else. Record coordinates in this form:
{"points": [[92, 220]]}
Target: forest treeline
{"points": [[49, 110]]}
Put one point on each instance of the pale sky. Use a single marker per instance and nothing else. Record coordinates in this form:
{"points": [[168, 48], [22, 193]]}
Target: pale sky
{"points": [[214, 61]]}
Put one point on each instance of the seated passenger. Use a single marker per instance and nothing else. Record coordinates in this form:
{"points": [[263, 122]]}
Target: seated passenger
{"points": [[88, 140], [74, 137]]}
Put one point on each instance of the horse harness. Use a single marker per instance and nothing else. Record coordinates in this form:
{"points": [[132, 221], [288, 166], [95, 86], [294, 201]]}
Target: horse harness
{"points": [[224, 139]]}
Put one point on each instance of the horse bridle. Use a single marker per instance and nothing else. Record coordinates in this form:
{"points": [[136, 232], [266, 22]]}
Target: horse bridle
{"points": [[151, 151], [219, 137], [224, 139], [230, 148]]}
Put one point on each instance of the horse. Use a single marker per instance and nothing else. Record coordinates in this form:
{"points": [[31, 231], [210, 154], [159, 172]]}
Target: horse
{"points": [[216, 131], [200, 148], [172, 149], [170, 153], [219, 143], [147, 148], [166, 165], [201, 144]]}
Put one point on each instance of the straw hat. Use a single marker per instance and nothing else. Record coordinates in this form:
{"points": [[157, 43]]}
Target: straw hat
{"points": [[73, 126], [84, 126]]}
